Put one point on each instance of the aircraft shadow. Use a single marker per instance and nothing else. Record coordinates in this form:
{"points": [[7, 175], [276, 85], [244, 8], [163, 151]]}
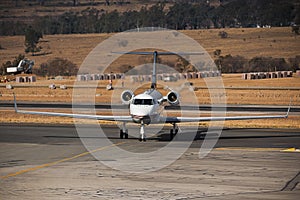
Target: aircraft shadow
{"points": [[201, 134]]}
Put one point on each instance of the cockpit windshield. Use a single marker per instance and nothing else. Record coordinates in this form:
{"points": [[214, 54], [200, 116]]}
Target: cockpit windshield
{"points": [[143, 102]]}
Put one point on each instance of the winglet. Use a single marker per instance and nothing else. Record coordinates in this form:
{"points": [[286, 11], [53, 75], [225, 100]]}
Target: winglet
{"points": [[288, 111], [15, 103]]}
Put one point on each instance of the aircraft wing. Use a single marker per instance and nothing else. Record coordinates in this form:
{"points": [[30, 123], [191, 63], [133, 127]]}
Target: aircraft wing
{"points": [[203, 119], [162, 119], [79, 116]]}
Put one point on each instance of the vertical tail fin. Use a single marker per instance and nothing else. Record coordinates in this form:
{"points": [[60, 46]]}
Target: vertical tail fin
{"points": [[153, 84]]}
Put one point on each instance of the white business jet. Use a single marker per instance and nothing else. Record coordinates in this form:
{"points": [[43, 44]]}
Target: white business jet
{"points": [[144, 108]]}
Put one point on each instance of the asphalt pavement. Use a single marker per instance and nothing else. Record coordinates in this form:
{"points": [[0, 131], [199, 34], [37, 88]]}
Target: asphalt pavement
{"points": [[51, 162]]}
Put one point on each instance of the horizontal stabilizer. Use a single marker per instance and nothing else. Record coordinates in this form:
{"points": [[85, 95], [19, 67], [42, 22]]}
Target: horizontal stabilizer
{"points": [[159, 53]]}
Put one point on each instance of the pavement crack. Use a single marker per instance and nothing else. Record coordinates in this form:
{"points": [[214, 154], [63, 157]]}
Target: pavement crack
{"points": [[291, 184]]}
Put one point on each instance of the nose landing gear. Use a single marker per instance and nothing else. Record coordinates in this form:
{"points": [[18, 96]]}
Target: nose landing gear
{"points": [[142, 132]]}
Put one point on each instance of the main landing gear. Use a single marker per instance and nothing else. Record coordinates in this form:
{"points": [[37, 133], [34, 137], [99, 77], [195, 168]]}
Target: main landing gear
{"points": [[173, 131], [124, 131], [123, 134]]}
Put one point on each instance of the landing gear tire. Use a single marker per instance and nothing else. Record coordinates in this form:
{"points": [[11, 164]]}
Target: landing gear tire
{"points": [[171, 134], [176, 131], [122, 134]]}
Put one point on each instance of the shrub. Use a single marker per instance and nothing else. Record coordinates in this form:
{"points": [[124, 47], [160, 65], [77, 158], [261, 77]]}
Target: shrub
{"points": [[57, 67], [223, 34]]}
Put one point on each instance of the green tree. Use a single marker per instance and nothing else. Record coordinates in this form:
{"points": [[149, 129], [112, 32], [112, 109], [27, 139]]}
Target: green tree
{"points": [[75, 2], [294, 63], [231, 64], [17, 60], [267, 64], [57, 67], [295, 29], [4, 66], [111, 22], [42, 2], [223, 34], [32, 38], [179, 15], [182, 14]]}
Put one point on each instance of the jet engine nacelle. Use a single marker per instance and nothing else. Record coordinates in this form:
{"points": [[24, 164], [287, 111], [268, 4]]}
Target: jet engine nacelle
{"points": [[127, 96], [173, 98]]}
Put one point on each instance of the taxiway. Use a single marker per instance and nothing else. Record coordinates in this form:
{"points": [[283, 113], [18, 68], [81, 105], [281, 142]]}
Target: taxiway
{"points": [[50, 162]]}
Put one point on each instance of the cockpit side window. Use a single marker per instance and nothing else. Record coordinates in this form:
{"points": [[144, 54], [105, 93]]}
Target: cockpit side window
{"points": [[138, 101], [143, 102]]}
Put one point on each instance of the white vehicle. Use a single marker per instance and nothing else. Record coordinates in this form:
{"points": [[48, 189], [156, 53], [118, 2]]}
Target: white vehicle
{"points": [[12, 69], [170, 79], [144, 108], [24, 65]]}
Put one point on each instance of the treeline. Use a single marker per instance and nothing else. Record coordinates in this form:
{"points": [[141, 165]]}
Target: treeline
{"points": [[239, 64], [181, 15]]}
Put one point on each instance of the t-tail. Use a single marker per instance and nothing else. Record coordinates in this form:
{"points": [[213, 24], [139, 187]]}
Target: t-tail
{"points": [[155, 55]]}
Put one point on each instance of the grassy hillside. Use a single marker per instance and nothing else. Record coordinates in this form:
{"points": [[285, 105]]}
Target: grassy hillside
{"points": [[246, 42], [24, 10]]}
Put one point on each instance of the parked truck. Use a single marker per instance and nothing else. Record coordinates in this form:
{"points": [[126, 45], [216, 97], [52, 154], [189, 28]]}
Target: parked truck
{"points": [[24, 66]]}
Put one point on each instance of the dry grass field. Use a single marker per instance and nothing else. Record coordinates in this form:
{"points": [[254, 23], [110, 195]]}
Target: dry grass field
{"points": [[246, 42], [272, 96], [275, 42], [249, 43], [236, 91], [9, 116]]}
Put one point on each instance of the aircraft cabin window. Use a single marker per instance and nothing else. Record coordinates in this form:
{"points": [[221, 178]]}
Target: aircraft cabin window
{"points": [[143, 102]]}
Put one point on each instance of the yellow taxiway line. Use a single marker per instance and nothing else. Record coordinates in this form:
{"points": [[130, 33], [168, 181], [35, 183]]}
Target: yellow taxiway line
{"points": [[58, 161], [257, 149], [291, 150]]}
